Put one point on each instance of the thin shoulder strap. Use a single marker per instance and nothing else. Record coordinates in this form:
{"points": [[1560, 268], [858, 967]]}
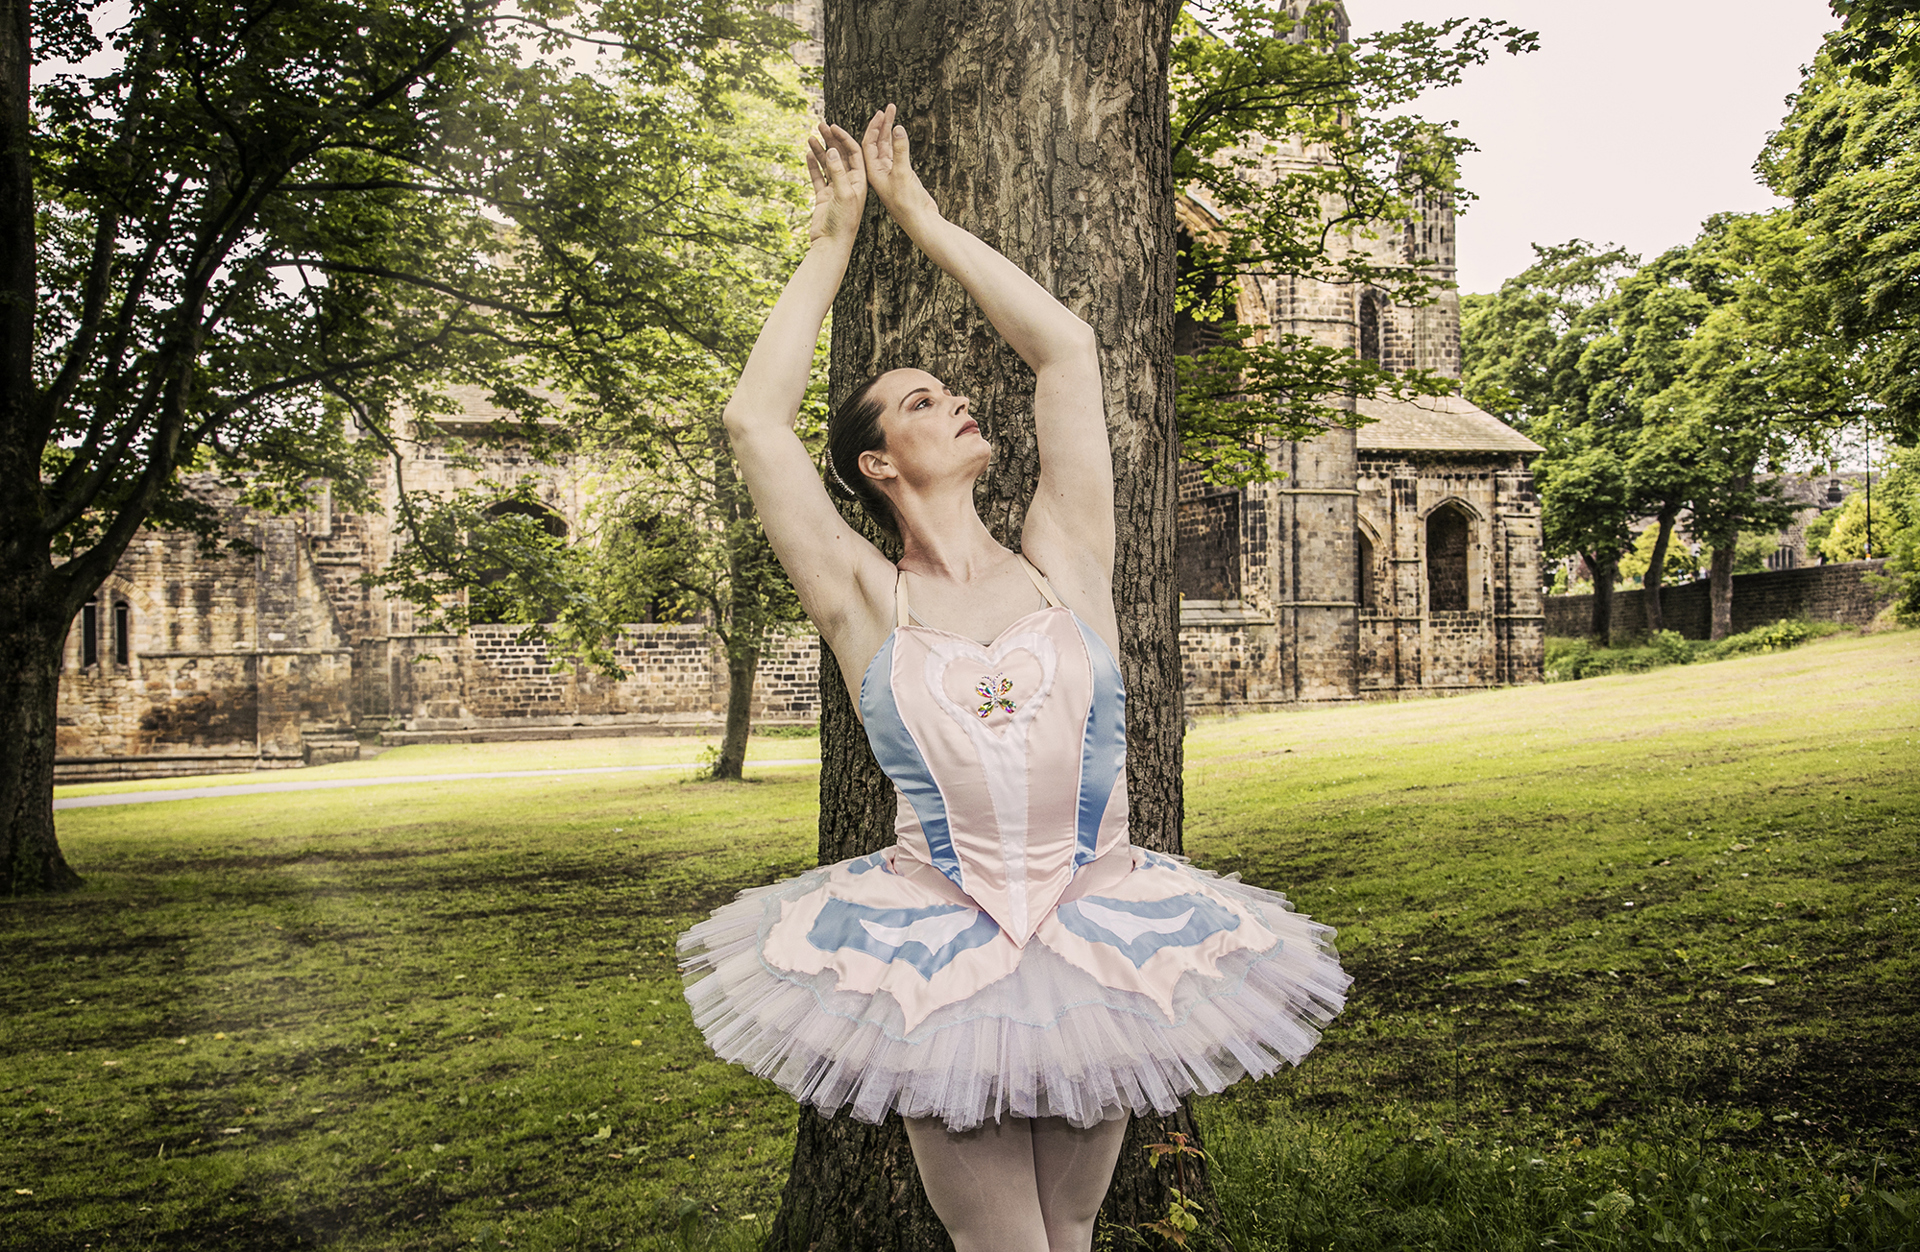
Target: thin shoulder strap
{"points": [[1040, 581], [900, 614]]}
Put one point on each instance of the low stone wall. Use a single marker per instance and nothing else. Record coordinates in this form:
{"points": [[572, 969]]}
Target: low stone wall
{"points": [[489, 685], [1820, 593]]}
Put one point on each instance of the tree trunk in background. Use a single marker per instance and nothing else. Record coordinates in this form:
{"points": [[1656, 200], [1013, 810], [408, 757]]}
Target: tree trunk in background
{"points": [[30, 859], [1043, 128], [1657, 572], [1605, 573], [745, 630], [1720, 572], [743, 664]]}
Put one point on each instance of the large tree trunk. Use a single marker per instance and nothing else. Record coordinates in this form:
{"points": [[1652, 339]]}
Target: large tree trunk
{"points": [[1043, 128], [30, 859], [1657, 571], [1720, 572]]}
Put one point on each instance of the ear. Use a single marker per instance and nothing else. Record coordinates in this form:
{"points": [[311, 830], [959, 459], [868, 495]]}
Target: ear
{"points": [[875, 464]]}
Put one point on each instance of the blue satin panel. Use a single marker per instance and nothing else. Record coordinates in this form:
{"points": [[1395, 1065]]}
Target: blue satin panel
{"points": [[838, 927], [1209, 918], [1104, 744], [898, 755]]}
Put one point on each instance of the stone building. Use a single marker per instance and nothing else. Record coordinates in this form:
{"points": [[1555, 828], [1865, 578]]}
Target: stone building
{"points": [[1399, 559]]}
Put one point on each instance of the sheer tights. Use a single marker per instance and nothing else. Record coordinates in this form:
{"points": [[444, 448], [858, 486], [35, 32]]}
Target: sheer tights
{"points": [[1019, 1184]]}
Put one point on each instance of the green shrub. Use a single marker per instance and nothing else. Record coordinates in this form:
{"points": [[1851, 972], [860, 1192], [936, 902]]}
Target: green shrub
{"points": [[1671, 647], [1773, 637], [1568, 659]]}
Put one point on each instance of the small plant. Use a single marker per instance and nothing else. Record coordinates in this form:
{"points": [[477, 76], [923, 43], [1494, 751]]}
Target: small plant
{"points": [[1182, 1221]]}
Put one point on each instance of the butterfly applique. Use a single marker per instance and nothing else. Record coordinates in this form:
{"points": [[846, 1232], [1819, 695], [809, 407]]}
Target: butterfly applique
{"points": [[993, 693]]}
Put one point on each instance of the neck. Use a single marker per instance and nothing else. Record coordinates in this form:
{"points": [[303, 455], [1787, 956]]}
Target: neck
{"points": [[942, 536]]}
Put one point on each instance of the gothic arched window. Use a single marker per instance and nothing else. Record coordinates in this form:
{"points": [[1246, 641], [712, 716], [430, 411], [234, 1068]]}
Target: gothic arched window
{"points": [[1447, 539], [488, 608], [90, 633], [1370, 327], [1364, 581]]}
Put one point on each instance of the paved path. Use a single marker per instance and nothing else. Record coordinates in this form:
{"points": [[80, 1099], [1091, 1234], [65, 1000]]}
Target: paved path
{"points": [[255, 789]]}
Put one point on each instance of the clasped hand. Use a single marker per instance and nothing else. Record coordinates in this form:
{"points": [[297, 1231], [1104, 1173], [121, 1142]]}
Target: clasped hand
{"points": [[841, 171]]}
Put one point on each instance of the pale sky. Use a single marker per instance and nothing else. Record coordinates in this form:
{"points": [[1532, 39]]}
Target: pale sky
{"points": [[1634, 121]]}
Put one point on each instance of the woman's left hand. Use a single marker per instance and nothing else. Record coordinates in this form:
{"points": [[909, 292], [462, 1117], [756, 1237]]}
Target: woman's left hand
{"points": [[839, 176]]}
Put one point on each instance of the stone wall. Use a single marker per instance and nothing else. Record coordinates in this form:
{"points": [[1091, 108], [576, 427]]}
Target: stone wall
{"points": [[233, 661], [489, 685], [1821, 593]]}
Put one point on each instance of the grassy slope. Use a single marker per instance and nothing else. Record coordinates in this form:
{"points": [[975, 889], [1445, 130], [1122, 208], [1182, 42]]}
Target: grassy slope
{"points": [[423, 1016]]}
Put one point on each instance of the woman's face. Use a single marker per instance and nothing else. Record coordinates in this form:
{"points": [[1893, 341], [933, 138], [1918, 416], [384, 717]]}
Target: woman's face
{"points": [[931, 434]]}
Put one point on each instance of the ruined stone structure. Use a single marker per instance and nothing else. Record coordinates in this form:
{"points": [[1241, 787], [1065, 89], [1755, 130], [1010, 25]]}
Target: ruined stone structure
{"points": [[195, 663], [1401, 559]]}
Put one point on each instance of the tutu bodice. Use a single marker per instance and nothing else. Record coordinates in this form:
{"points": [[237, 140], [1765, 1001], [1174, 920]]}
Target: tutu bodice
{"points": [[1011, 952], [1010, 757]]}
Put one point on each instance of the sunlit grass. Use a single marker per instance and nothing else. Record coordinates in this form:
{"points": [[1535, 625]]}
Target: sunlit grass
{"points": [[1633, 926]]}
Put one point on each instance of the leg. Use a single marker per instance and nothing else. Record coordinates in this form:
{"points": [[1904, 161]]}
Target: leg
{"points": [[1073, 1169], [981, 1183]]}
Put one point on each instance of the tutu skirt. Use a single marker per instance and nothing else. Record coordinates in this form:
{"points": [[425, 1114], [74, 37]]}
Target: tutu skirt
{"points": [[870, 986]]}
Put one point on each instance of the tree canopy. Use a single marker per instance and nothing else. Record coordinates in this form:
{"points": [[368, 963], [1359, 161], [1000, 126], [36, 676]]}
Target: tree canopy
{"points": [[1848, 156], [1296, 137]]}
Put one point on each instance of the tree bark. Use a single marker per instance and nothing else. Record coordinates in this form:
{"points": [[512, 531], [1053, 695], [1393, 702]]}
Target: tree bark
{"points": [[1720, 572], [1605, 571], [743, 664], [1657, 571], [1042, 126], [30, 648]]}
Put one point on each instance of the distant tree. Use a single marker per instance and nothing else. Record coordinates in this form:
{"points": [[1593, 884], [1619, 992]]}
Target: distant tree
{"points": [[1520, 350], [673, 535], [258, 221], [1848, 156], [680, 540], [1762, 379]]}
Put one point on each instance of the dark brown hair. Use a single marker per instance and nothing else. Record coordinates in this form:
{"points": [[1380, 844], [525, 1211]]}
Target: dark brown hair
{"points": [[852, 429]]}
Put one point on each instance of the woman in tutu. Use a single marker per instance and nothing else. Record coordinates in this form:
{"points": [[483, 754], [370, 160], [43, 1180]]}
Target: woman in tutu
{"points": [[1012, 976]]}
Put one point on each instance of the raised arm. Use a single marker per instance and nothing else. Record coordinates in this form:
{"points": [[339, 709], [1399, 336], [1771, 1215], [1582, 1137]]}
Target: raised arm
{"points": [[1069, 527], [844, 583]]}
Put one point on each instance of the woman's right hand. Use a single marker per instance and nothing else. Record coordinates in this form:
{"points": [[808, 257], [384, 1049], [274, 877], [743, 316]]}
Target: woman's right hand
{"points": [[889, 166], [839, 176]]}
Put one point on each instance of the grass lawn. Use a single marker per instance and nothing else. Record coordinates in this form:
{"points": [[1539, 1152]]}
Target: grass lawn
{"points": [[1637, 965]]}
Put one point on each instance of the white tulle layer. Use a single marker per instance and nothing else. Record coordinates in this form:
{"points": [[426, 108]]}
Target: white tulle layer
{"points": [[1048, 1040]]}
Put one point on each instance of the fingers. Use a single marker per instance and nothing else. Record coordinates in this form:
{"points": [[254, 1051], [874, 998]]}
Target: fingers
{"points": [[815, 174], [874, 143], [902, 151], [838, 154]]}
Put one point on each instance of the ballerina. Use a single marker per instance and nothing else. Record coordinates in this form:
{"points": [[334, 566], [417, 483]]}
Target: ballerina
{"points": [[1011, 976]]}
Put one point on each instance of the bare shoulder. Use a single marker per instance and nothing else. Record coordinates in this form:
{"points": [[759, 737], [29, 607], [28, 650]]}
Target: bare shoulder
{"points": [[1081, 575]]}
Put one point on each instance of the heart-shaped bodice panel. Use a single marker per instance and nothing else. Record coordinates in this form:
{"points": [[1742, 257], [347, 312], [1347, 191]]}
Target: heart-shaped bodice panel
{"points": [[992, 691]]}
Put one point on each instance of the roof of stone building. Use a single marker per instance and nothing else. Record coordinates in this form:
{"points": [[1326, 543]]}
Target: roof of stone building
{"points": [[1437, 424]]}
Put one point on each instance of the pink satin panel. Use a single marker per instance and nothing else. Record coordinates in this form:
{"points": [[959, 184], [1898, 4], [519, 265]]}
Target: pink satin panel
{"points": [[1008, 778]]}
